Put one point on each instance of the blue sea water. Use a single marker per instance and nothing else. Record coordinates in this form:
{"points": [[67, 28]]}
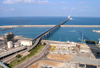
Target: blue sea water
{"points": [[48, 20], [73, 33], [29, 32], [31, 20], [84, 21], [62, 34]]}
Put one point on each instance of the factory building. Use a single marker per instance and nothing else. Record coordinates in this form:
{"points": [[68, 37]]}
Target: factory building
{"points": [[25, 42], [8, 37], [62, 48]]}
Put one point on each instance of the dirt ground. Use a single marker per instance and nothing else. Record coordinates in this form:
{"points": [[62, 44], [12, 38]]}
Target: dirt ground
{"points": [[35, 65], [59, 57]]}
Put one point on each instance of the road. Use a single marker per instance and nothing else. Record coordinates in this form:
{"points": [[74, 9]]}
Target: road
{"points": [[81, 59], [11, 57], [33, 59]]}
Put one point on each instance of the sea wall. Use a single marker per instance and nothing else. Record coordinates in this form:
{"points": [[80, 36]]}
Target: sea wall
{"points": [[10, 26], [80, 25]]}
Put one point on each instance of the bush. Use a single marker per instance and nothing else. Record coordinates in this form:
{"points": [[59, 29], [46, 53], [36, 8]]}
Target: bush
{"points": [[44, 44], [18, 56]]}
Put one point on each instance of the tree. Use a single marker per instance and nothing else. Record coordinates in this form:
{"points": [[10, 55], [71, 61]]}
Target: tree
{"points": [[18, 56], [44, 43]]}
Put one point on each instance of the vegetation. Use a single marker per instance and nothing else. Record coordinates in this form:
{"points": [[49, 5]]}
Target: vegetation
{"points": [[44, 43], [18, 56], [33, 52]]}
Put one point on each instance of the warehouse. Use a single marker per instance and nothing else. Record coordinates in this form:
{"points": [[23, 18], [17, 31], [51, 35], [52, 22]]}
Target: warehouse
{"points": [[25, 42]]}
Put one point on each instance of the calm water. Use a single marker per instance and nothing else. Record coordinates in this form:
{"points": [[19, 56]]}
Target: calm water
{"points": [[72, 34], [48, 20], [63, 34], [31, 20], [84, 21], [29, 32]]}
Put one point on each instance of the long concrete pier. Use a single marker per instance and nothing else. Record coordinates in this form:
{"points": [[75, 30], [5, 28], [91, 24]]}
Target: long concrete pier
{"points": [[11, 26], [41, 37]]}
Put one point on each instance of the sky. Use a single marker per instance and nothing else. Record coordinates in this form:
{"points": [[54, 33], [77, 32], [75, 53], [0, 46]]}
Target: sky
{"points": [[75, 8]]}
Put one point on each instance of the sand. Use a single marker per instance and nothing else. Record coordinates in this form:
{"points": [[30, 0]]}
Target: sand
{"points": [[59, 57]]}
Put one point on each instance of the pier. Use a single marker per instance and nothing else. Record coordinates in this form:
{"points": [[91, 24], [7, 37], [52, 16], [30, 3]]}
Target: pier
{"points": [[35, 41], [45, 34]]}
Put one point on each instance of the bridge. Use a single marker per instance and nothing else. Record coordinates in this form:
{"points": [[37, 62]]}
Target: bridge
{"points": [[45, 34], [35, 41]]}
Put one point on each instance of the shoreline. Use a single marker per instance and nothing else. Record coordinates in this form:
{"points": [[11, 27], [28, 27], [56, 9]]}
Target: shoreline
{"points": [[11, 26]]}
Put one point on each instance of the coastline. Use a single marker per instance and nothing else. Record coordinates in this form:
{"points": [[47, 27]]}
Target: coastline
{"points": [[15, 26]]}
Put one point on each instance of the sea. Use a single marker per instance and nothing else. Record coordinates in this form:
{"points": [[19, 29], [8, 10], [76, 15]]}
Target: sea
{"points": [[62, 34]]}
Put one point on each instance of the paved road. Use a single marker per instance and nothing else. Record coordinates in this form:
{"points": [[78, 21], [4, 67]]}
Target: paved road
{"points": [[11, 57], [33, 59], [12, 51], [85, 60]]}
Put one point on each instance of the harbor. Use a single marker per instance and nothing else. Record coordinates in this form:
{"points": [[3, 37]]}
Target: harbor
{"points": [[59, 51], [49, 34]]}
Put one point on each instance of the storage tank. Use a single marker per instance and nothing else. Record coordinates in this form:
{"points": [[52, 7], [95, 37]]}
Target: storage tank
{"points": [[99, 41], [9, 44]]}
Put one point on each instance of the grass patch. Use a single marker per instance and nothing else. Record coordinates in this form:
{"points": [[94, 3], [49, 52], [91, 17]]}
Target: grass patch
{"points": [[33, 52]]}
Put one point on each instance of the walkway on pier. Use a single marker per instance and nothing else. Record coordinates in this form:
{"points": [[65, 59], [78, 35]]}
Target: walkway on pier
{"points": [[45, 34]]}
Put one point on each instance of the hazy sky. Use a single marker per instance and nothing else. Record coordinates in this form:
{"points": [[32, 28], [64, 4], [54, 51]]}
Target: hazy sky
{"points": [[82, 8]]}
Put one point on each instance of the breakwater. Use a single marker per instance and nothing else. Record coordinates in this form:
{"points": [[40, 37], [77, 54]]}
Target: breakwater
{"points": [[10, 26], [80, 25]]}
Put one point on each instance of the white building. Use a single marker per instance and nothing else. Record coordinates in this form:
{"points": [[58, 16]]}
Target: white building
{"points": [[9, 44], [26, 42]]}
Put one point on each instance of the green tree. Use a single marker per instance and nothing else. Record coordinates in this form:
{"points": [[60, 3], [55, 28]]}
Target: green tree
{"points": [[44, 43], [18, 56]]}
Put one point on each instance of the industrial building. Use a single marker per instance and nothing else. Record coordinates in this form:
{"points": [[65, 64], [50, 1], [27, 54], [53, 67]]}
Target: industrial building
{"points": [[12, 44], [8, 37], [25, 42], [65, 48]]}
